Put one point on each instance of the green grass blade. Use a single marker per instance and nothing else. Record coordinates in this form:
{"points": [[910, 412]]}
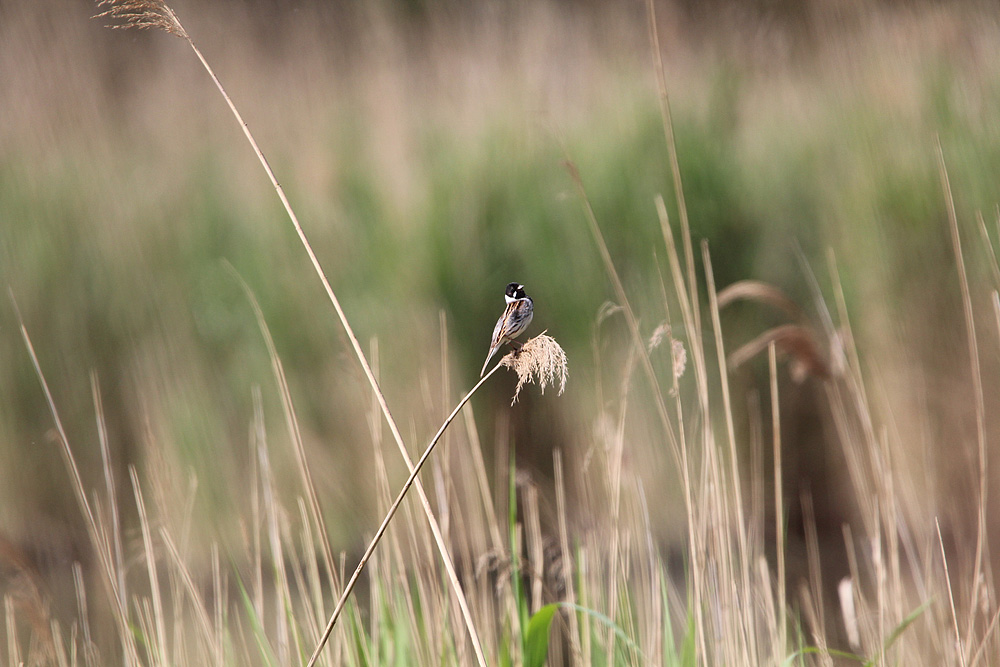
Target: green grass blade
{"points": [[812, 650], [255, 624], [536, 641], [520, 602], [889, 641], [598, 616], [899, 629], [688, 656]]}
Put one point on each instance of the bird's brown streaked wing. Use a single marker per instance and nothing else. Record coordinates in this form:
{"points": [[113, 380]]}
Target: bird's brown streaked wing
{"points": [[498, 334], [502, 326]]}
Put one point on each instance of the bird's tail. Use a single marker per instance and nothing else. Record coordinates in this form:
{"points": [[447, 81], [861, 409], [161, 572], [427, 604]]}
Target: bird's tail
{"points": [[493, 351]]}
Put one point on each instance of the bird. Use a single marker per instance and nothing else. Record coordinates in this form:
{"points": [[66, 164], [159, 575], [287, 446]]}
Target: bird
{"points": [[515, 319]]}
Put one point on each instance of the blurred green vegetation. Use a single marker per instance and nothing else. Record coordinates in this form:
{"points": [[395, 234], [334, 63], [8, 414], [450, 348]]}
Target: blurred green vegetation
{"points": [[115, 248]]}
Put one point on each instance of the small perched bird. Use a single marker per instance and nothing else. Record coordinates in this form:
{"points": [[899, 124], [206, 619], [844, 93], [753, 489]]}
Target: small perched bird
{"points": [[515, 319]]}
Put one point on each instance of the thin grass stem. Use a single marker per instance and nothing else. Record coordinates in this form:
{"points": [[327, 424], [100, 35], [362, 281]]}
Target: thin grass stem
{"points": [[951, 596], [107, 567], [675, 169], [630, 317], [977, 386], [160, 636], [355, 345], [744, 557], [779, 499], [388, 517]]}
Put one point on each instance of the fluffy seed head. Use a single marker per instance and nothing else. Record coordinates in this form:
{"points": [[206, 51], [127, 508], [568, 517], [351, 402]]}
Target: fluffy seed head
{"points": [[142, 15], [541, 359], [677, 351]]}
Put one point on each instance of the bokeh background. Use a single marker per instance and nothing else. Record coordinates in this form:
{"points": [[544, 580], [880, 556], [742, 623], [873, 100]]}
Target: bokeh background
{"points": [[423, 145]]}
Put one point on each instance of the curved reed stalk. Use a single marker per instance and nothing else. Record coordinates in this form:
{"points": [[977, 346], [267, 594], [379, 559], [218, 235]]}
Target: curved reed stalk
{"points": [[144, 14], [388, 517]]}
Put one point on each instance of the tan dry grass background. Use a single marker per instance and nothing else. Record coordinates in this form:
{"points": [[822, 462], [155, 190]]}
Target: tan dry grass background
{"points": [[124, 183]]}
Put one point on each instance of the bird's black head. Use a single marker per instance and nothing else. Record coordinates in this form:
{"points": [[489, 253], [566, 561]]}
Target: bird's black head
{"points": [[514, 291]]}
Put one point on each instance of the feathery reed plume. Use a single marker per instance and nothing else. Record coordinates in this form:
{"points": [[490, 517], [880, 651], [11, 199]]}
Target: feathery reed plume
{"points": [[680, 357], [542, 360], [143, 15], [799, 341], [794, 340], [756, 290], [606, 310], [656, 339], [677, 352]]}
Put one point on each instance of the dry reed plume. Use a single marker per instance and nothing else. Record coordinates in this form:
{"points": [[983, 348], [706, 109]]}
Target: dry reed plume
{"points": [[798, 341], [142, 15], [540, 360], [678, 354]]}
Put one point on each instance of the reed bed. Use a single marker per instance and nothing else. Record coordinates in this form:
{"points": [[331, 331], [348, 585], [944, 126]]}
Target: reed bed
{"points": [[664, 535]]}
